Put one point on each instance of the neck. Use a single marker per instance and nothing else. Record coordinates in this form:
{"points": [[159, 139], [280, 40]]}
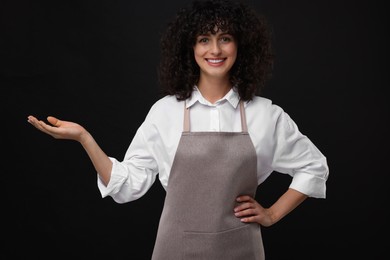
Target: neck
{"points": [[213, 89]]}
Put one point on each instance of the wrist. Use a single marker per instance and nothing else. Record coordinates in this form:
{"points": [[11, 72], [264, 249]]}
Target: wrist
{"points": [[85, 138]]}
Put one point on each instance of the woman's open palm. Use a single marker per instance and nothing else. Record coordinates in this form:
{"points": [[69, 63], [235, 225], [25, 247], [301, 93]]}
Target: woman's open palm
{"points": [[59, 129]]}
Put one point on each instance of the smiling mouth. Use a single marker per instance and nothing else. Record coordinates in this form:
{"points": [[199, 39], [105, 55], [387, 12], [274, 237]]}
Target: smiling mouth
{"points": [[215, 61]]}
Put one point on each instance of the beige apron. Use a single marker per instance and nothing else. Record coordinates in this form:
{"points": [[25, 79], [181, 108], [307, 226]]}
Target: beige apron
{"points": [[209, 171]]}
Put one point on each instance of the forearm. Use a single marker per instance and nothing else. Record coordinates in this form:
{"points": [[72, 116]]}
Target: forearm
{"points": [[285, 204], [99, 159]]}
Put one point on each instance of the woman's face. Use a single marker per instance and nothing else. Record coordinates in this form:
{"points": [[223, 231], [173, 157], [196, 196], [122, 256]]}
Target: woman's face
{"points": [[215, 54]]}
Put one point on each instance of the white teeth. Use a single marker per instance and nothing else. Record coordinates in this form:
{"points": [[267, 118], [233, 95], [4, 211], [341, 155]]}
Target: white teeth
{"points": [[214, 61]]}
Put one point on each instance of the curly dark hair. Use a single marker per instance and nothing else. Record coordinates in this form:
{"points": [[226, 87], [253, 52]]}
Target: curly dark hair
{"points": [[178, 71]]}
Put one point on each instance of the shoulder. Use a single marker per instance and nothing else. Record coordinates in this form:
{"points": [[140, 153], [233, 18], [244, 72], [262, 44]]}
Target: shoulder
{"points": [[263, 113], [263, 106], [166, 101], [164, 121], [164, 108], [259, 102]]}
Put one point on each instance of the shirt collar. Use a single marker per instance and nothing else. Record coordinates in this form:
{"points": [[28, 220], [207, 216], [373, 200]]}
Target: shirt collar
{"points": [[232, 97]]}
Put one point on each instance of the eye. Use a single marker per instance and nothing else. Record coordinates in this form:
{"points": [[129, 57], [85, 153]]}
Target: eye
{"points": [[203, 40], [226, 39]]}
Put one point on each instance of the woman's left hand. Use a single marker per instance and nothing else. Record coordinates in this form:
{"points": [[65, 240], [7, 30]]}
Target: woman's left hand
{"points": [[250, 211]]}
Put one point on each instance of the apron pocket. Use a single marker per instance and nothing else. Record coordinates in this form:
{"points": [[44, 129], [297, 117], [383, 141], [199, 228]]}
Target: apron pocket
{"points": [[236, 243]]}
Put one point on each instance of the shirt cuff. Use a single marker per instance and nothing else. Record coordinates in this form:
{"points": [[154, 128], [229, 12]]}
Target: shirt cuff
{"points": [[116, 178], [312, 186]]}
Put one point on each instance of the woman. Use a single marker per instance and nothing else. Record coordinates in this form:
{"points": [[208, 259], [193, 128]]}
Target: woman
{"points": [[211, 139]]}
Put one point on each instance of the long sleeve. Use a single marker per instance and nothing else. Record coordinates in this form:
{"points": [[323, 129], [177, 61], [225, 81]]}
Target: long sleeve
{"points": [[132, 177], [296, 155]]}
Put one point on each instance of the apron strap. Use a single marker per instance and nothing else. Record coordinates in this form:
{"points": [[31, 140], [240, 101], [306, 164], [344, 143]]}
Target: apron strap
{"points": [[244, 127], [186, 122]]}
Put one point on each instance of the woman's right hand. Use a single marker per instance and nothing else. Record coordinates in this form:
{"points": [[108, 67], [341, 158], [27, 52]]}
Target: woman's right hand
{"points": [[60, 129]]}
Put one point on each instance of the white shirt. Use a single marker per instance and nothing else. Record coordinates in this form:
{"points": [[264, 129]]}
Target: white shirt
{"points": [[279, 145]]}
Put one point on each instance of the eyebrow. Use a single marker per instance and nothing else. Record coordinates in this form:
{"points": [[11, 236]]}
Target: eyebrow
{"points": [[208, 34]]}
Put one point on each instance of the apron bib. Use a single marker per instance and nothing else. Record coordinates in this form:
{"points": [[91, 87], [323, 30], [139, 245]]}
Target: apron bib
{"points": [[209, 171]]}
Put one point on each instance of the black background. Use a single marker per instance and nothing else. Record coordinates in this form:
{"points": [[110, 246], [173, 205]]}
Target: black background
{"points": [[94, 62]]}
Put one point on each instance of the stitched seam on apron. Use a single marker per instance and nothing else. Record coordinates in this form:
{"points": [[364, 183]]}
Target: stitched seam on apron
{"points": [[217, 232]]}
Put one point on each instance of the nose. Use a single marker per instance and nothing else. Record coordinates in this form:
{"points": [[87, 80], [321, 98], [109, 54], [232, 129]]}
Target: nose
{"points": [[215, 48]]}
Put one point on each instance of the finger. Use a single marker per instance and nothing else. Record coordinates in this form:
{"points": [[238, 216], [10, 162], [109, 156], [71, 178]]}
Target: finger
{"points": [[246, 205], [54, 121], [31, 119], [43, 127], [244, 198], [48, 128], [40, 125], [251, 219], [245, 213], [35, 122]]}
